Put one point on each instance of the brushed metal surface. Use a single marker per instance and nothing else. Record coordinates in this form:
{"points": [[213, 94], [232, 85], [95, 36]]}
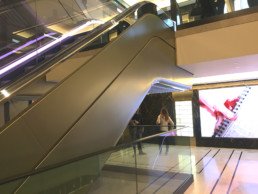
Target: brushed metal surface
{"points": [[90, 109], [102, 125]]}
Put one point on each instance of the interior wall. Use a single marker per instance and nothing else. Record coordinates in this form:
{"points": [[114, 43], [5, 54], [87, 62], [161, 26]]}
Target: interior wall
{"points": [[220, 47], [222, 43]]}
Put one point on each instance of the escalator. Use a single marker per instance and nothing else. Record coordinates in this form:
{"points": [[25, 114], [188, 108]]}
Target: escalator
{"points": [[31, 39], [90, 107]]}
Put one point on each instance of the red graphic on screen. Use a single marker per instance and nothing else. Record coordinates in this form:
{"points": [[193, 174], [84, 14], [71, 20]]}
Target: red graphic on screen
{"points": [[219, 112]]}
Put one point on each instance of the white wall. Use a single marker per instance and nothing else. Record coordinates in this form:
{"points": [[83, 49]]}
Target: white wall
{"points": [[228, 46]]}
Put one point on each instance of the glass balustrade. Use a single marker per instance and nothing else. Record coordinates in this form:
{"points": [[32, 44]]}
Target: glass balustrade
{"points": [[37, 54], [165, 167]]}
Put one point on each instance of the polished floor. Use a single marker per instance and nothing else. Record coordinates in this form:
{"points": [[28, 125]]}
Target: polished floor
{"points": [[215, 170], [221, 170]]}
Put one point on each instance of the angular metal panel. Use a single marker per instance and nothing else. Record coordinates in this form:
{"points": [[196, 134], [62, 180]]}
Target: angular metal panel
{"points": [[71, 112], [106, 120]]}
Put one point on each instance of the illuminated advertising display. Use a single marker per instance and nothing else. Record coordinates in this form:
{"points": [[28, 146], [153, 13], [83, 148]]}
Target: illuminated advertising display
{"points": [[229, 112]]}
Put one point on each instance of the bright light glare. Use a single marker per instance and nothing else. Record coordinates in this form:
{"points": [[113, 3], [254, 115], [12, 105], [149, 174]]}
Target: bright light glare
{"points": [[240, 4], [119, 10], [5, 93]]}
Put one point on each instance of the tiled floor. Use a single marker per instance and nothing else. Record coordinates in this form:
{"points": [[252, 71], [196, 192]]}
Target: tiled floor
{"points": [[224, 170], [215, 170]]}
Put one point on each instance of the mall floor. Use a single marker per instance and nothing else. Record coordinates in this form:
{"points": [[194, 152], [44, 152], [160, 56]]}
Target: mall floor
{"points": [[215, 170]]}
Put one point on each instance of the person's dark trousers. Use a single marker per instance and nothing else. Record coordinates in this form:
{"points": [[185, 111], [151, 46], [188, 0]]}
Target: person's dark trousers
{"points": [[139, 144], [163, 141], [135, 135]]}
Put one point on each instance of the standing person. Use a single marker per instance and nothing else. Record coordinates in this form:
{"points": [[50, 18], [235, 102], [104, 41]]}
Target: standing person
{"points": [[136, 130], [165, 123]]}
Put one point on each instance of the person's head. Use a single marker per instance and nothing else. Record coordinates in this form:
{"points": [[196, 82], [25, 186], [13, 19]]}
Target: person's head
{"points": [[164, 112]]}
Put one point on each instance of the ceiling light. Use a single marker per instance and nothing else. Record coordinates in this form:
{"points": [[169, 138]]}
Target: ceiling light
{"points": [[5, 93]]}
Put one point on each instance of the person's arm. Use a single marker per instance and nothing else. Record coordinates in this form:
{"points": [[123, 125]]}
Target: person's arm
{"points": [[171, 122], [158, 120]]}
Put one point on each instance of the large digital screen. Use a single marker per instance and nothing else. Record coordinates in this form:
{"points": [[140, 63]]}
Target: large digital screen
{"points": [[230, 112]]}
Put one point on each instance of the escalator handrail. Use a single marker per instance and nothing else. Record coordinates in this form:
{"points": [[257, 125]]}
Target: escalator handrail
{"points": [[83, 157], [13, 87]]}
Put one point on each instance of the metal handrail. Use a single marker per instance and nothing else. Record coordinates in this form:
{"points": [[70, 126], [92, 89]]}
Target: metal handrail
{"points": [[76, 159], [48, 65]]}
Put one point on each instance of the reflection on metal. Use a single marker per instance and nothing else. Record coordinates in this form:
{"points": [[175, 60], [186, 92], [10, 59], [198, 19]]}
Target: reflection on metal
{"points": [[165, 86]]}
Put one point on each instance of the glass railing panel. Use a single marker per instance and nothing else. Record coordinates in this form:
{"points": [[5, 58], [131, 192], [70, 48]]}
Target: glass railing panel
{"points": [[88, 175], [170, 167], [114, 177], [60, 44], [51, 40], [75, 11], [14, 41], [32, 24], [66, 179], [22, 100], [117, 170], [198, 10], [166, 159], [188, 11]]}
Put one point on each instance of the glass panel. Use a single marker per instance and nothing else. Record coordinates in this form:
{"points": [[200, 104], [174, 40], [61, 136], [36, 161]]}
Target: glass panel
{"points": [[121, 170], [56, 36], [168, 165], [34, 29], [192, 10], [163, 162], [75, 176]]}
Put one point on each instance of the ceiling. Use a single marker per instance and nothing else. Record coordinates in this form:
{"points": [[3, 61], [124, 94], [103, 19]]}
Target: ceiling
{"points": [[224, 70]]}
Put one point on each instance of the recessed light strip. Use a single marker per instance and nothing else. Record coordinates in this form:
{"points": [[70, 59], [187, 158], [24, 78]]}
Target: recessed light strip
{"points": [[47, 46], [25, 45]]}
